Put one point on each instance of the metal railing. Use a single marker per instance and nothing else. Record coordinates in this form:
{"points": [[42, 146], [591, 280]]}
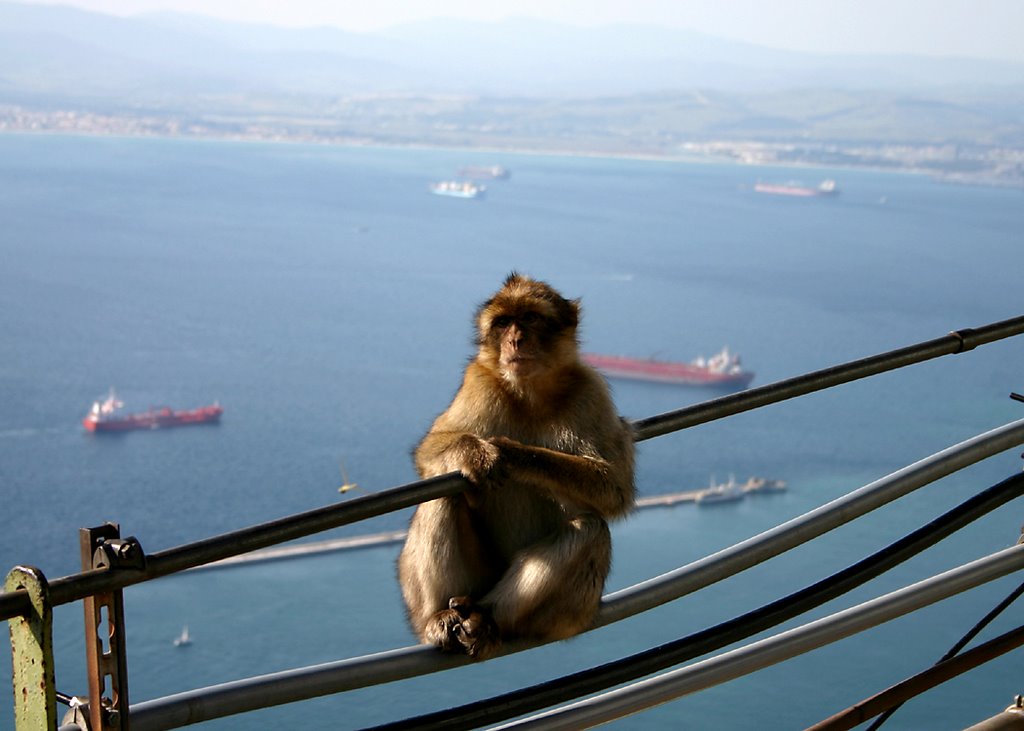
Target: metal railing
{"points": [[117, 564]]}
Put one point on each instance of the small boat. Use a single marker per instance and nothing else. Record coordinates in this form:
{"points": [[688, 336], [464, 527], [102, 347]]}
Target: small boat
{"points": [[487, 172], [726, 492], [458, 189], [721, 370], [108, 415], [825, 188], [763, 486], [183, 640]]}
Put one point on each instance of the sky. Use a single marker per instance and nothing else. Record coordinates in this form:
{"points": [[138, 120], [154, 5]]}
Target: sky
{"points": [[974, 28]]}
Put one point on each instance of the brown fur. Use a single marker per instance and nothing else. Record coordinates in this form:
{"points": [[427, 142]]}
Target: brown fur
{"points": [[525, 552]]}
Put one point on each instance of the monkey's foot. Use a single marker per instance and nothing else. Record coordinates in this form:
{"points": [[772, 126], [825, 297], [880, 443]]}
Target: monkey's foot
{"points": [[464, 627]]}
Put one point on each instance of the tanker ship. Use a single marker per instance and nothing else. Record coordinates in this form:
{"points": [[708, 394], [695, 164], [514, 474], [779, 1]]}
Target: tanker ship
{"points": [[108, 415], [721, 370]]}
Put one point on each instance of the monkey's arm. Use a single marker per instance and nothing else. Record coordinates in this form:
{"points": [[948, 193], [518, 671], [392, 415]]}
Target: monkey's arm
{"points": [[443, 451], [593, 482]]}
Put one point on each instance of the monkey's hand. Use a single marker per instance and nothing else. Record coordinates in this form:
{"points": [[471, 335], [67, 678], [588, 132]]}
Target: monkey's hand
{"points": [[474, 458], [442, 452]]}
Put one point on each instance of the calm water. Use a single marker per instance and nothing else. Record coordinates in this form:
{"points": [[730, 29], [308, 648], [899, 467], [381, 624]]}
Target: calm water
{"points": [[325, 298]]}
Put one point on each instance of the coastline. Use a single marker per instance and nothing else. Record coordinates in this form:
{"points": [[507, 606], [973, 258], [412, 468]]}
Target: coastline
{"points": [[1006, 171]]}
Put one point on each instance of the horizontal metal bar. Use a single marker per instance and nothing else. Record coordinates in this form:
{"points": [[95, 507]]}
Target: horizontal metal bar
{"points": [[301, 684], [773, 650], [161, 563], [956, 342], [289, 686], [78, 586]]}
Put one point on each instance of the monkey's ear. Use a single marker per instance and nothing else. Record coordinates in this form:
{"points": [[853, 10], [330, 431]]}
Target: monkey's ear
{"points": [[571, 313]]}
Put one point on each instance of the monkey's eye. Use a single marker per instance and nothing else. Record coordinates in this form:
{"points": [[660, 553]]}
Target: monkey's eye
{"points": [[530, 318], [501, 321]]}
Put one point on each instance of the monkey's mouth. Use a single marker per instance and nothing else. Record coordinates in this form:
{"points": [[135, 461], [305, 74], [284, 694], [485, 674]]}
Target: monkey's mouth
{"points": [[520, 364]]}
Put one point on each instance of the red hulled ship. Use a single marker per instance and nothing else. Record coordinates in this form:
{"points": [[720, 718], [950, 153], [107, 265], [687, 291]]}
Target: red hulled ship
{"points": [[721, 370], [109, 416]]}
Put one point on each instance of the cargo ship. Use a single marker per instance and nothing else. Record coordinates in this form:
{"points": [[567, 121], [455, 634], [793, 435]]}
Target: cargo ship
{"points": [[721, 370], [489, 172], [457, 189], [825, 188], [109, 416]]}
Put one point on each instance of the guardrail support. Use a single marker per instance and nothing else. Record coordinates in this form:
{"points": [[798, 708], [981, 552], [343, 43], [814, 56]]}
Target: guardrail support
{"points": [[102, 548], [35, 691]]}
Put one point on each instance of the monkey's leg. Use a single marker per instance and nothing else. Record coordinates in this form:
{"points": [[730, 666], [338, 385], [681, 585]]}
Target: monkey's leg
{"points": [[444, 556], [553, 588]]}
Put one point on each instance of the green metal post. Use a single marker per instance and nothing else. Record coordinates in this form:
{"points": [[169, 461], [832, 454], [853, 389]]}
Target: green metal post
{"points": [[35, 691]]}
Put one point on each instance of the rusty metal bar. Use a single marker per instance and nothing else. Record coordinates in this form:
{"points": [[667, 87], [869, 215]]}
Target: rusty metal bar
{"points": [[105, 652], [35, 690], [926, 680], [78, 586]]}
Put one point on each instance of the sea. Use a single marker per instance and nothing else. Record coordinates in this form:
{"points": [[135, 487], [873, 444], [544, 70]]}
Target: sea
{"points": [[325, 298]]}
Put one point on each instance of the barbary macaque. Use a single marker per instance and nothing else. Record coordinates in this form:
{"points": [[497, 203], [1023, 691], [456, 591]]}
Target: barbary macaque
{"points": [[524, 553]]}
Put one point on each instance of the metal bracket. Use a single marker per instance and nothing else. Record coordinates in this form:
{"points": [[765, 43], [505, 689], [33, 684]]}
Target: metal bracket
{"points": [[103, 548], [119, 553], [35, 691]]}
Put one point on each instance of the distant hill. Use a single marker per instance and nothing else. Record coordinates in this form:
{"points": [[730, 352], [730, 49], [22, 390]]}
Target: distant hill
{"points": [[54, 49], [516, 84]]}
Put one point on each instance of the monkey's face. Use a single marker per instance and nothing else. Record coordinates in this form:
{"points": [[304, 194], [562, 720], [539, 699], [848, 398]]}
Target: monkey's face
{"points": [[522, 340], [526, 330]]}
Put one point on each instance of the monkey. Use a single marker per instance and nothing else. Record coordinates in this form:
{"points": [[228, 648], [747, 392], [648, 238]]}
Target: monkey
{"points": [[525, 551]]}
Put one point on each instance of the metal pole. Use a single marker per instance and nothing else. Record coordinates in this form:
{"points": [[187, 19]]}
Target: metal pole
{"points": [[35, 690], [104, 626], [956, 342]]}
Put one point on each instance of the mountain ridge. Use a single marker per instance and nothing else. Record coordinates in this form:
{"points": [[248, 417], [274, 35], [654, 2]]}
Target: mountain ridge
{"points": [[518, 84], [517, 56]]}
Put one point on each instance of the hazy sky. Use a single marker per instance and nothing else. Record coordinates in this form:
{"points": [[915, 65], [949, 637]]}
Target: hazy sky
{"points": [[979, 28]]}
